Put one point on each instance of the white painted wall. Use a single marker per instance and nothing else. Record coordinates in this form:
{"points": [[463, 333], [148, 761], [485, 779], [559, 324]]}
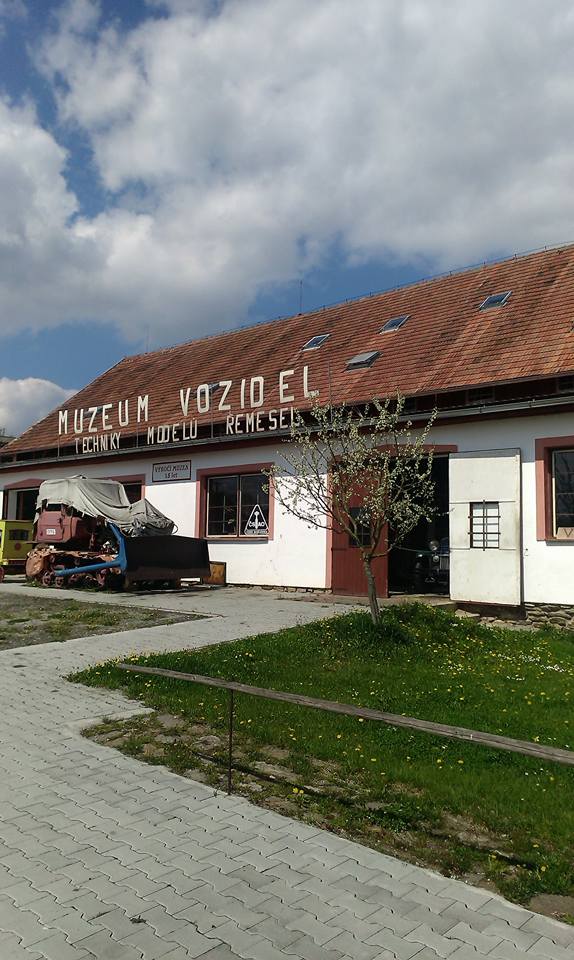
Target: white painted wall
{"points": [[548, 569], [297, 555]]}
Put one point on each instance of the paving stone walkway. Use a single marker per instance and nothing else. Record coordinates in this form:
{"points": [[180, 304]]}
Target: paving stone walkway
{"points": [[103, 856]]}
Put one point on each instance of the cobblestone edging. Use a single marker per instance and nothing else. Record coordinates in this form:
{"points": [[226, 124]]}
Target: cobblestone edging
{"points": [[263, 586], [549, 614], [530, 615]]}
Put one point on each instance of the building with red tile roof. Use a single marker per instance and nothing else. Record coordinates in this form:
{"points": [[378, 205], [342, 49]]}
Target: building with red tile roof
{"points": [[492, 348]]}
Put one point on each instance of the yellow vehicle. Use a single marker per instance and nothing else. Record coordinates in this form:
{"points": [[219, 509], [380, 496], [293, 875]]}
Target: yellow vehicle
{"points": [[16, 540]]}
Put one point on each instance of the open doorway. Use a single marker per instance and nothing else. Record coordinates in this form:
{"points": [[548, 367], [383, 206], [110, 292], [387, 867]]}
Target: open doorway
{"points": [[421, 563], [20, 504]]}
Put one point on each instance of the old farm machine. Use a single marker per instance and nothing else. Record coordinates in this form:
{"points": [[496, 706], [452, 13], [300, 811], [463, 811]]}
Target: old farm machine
{"points": [[88, 533], [16, 537]]}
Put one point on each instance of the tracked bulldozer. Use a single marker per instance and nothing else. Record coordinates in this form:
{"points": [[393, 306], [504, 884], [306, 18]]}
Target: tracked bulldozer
{"points": [[89, 534]]}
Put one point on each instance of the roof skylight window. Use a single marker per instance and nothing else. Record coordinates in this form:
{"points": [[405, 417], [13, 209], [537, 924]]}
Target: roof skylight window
{"points": [[495, 300], [316, 342], [395, 322], [362, 360]]}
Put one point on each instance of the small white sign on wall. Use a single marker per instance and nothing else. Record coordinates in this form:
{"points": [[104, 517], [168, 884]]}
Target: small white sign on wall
{"points": [[172, 471]]}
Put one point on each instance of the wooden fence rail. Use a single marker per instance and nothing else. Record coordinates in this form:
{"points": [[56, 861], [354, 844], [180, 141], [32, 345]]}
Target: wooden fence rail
{"points": [[525, 747]]}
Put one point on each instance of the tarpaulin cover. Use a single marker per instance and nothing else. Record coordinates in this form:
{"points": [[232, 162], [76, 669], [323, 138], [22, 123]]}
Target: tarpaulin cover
{"points": [[107, 499]]}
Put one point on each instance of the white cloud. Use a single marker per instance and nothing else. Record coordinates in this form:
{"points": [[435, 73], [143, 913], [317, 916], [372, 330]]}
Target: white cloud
{"points": [[240, 140], [46, 266], [23, 402]]}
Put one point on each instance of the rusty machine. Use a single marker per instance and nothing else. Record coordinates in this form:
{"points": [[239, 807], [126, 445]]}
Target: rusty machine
{"points": [[89, 534]]}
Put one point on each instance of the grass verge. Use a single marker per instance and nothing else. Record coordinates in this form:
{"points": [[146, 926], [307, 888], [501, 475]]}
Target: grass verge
{"points": [[28, 620], [495, 818]]}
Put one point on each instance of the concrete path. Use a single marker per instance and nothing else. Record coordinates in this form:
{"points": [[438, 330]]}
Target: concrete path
{"points": [[103, 856], [221, 601]]}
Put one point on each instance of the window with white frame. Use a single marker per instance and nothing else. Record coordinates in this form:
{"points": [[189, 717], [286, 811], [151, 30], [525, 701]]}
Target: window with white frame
{"points": [[238, 506], [485, 525], [563, 494]]}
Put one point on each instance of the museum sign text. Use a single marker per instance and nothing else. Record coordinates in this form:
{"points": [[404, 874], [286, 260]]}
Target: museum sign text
{"points": [[238, 404]]}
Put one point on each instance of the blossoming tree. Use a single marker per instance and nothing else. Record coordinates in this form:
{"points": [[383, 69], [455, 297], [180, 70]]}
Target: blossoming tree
{"points": [[364, 471]]}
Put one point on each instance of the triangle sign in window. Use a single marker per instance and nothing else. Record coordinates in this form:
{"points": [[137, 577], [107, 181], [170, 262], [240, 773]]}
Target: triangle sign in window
{"points": [[256, 524]]}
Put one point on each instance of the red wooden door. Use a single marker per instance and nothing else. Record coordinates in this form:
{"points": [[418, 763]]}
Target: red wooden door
{"points": [[348, 574]]}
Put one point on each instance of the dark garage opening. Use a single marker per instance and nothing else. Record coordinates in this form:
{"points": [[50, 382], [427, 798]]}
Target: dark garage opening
{"points": [[421, 563]]}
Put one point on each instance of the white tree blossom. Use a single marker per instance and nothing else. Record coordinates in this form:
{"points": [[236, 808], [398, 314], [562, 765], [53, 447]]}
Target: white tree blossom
{"points": [[364, 471]]}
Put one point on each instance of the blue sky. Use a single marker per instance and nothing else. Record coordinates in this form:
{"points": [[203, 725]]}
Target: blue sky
{"points": [[172, 168]]}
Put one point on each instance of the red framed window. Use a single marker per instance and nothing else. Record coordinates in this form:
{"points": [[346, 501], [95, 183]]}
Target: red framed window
{"points": [[134, 485], [19, 501], [555, 489], [235, 503], [562, 470], [238, 505]]}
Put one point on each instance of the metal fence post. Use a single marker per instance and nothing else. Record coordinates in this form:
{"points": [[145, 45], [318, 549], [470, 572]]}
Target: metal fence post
{"points": [[230, 744]]}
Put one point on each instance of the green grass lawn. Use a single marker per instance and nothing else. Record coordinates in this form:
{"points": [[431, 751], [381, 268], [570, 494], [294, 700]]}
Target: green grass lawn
{"points": [[485, 814]]}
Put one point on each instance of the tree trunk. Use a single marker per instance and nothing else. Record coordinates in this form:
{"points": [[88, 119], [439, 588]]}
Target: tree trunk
{"points": [[372, 590]]}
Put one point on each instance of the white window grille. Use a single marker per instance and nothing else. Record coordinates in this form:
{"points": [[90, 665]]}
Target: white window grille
{"points": [[485, 525]]}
